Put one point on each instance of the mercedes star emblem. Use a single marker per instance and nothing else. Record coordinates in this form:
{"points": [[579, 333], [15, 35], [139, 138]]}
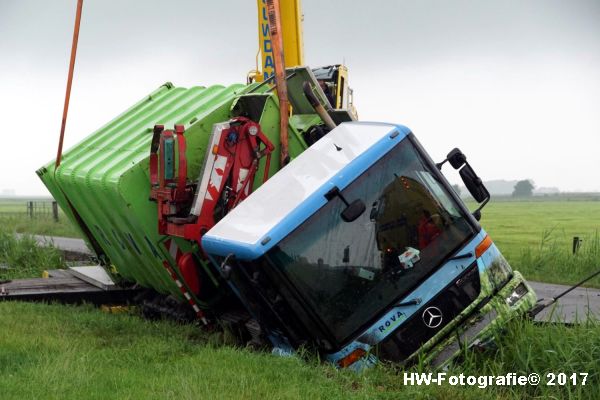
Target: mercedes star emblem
{"points": [[432, 317]]}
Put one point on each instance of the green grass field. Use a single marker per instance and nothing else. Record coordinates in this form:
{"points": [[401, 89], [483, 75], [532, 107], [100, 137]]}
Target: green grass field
{"points": [[14, 218], [536, 237], [518, 225], [12, 206], [53, 351]]}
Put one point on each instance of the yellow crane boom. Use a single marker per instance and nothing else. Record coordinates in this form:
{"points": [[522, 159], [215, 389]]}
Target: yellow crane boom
{"points": [[291, 27]]}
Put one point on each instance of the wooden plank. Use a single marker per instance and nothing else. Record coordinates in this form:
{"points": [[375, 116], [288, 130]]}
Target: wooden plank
{"points": [[59, 273], [22, 287], [65, 288]]}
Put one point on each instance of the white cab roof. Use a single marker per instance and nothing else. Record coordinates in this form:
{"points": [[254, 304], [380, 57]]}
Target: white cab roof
{"points": [[257, 215]]}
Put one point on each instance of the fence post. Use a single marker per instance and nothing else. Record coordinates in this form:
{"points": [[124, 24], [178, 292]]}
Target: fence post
{"points": [[55, 211], [30, 209], [576, 244]]}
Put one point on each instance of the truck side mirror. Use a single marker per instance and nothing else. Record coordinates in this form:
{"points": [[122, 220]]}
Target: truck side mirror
{"points": [[353, 210], [474, 184], [456, 157], [476, 187]]}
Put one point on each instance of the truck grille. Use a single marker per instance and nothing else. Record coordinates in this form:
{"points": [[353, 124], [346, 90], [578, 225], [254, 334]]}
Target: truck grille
{"points": [[432, 317]]}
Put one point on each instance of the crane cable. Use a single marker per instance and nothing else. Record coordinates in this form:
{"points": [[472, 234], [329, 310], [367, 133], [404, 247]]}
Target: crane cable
{"points": [[541, 304], [69, 82], [93, 242]]}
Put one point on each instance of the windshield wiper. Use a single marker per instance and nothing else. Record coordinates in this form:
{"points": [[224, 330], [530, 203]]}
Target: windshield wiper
{"points": [[462, 256], [413, 302]]}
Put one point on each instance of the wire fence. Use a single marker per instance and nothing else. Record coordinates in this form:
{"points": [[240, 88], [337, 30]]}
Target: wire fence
{"points": [[31, 209]]}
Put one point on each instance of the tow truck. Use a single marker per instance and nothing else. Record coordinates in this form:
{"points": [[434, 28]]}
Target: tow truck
{"points": [[272, 211]]}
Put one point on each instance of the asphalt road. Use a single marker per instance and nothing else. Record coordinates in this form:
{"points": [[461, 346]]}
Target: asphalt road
{"points": [[63, 243], [576, 306]]}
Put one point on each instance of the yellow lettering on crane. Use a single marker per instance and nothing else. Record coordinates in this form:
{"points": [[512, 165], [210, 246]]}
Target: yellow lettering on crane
{"points": [[291, 25]]}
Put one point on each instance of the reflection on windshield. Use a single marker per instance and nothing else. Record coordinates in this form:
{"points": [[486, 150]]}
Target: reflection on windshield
{"points": [[408, 216], [348, 272]]}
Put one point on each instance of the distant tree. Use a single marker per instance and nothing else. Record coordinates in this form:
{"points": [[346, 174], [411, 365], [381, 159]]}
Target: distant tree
{"points": [[523, 188], [456, 188]]}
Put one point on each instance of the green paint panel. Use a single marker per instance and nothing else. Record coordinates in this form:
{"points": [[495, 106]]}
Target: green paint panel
{"points": [[105, 178]]}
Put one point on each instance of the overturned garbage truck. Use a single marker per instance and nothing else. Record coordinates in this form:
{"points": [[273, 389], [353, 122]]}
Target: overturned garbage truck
{"points": [[357, 247]]}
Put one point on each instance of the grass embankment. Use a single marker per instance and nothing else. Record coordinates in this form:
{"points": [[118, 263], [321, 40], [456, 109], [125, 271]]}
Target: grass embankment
{"points": [[51, 351]]}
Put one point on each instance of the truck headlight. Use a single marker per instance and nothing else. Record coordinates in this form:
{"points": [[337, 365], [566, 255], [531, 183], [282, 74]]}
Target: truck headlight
{"points": [[517, 294]]}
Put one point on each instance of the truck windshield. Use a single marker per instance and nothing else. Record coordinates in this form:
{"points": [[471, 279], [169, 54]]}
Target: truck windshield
{"points": [[350, 272]]}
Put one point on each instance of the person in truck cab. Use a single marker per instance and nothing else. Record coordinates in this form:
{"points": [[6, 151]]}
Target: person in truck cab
{"points": [[427, 229]]}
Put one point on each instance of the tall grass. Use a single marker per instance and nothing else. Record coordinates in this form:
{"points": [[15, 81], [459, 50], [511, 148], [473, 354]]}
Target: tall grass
{"points": [[526, 348], [51, 351], [552, 262], [23, 258]]}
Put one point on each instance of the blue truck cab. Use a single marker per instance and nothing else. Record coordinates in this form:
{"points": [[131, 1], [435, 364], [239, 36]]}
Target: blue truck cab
{"points": [[360, 248]]}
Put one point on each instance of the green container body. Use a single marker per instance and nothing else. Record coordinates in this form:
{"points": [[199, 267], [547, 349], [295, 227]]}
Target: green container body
{"points": [[103, 182]]}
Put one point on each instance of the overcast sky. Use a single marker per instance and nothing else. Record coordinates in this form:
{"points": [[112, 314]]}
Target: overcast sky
{"points": [[514, 84]]}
